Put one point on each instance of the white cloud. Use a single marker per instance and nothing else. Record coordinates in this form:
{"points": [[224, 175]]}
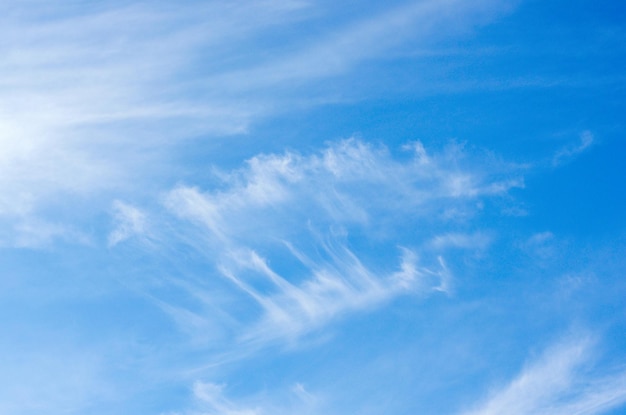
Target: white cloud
{"points": [[96, 97], [303, 394], [332, 289], [367, 39], [129, 222], [34, 232], [542, 245], [302, 210], [568, 152], [211, 399], [560, 382], [477, 240], [214, 402], [340, 184], [540, 238]]}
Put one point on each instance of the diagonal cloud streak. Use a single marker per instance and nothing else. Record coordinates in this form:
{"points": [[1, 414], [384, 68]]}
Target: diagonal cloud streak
{"points": [[559, 383]]}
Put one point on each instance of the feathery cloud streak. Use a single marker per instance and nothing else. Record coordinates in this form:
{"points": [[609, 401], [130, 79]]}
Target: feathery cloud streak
{"points": [[567, 153], [95, 98], [283, 229], [558, 383], [116, 108], [92, 95]]}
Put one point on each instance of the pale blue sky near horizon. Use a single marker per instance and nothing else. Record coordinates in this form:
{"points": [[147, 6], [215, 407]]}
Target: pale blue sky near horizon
{"points": [[311, 207]]}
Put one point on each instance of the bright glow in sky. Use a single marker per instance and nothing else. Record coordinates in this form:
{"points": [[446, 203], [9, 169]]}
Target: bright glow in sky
{"points": [[294, 207]]}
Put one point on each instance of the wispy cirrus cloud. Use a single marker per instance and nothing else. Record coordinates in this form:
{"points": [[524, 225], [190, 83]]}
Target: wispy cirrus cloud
{"points": [[129, 222], [570, 151], [476, 240], [212, 399], [561, 381], [357, 42], [96, 98], [278, 233]]}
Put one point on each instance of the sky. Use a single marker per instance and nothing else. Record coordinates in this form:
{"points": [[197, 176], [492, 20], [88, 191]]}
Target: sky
{"points": [[278, 207]]}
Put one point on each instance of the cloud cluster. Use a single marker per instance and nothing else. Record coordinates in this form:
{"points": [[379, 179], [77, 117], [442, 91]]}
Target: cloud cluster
{"points": [[304, 239], [96, 97]]}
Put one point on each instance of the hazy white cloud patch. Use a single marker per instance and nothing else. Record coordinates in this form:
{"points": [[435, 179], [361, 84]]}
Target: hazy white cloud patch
{"points": [[214, 399], [542, 245], [34, 232], [560, 382], [214, 402], [129, 222], [94, 98], [369, 38], [572, 283], [475, 241], [303, 394], [571, 151]]}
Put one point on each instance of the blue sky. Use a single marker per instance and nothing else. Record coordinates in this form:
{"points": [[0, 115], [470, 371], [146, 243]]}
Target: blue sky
{"points": [[309, 207]]}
